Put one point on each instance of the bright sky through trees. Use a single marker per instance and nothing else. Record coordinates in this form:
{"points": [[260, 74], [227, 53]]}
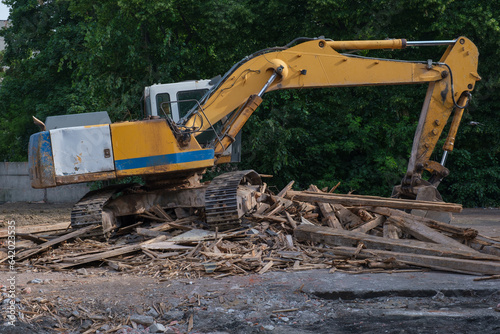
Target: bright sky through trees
{"points": [[4, 11]]}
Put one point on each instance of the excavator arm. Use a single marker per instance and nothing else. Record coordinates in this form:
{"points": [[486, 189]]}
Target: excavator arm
{"points": [[316, 63]]}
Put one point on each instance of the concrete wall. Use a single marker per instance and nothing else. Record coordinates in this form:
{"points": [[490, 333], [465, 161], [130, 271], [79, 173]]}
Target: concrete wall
{"points": [[15, 186]]}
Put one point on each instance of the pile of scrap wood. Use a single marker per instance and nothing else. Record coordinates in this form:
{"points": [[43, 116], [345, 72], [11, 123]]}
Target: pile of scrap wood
{"points": [[292, 230]]}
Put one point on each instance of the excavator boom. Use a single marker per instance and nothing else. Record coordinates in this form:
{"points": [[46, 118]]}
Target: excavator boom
{"points": [[317, 63]]}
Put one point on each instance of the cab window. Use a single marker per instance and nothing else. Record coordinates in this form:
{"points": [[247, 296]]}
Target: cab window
{"points": [[185, 106], [163, 105]]}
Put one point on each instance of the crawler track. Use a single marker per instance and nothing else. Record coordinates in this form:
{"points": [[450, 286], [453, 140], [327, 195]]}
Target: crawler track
{"points": [[221, 200], [222, 205], [89, 210]]}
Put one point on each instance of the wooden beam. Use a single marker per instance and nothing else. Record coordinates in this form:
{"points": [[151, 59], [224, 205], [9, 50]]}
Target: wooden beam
{"points": [[465, 233], [290, 220], [425, 233], [336, 237], [99, 256], [370, 225], [464, 266], [442, 263], [176, 224], [356, 200], [391, 231], [346, 217], [31, 237], [275, 218], [327, 211], [165, 245], [75, 261], [283, 191], [30, 252], [161, 213]]}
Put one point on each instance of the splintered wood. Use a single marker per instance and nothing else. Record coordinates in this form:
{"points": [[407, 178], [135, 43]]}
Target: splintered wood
{"points": [[292, 230]]}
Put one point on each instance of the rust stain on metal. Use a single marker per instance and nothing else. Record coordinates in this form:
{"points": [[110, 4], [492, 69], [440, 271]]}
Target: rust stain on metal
{"points": [[69, 179]]}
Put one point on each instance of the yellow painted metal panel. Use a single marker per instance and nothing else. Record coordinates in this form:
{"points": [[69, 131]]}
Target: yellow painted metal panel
{"points": [[150, 147], [143, 138]]}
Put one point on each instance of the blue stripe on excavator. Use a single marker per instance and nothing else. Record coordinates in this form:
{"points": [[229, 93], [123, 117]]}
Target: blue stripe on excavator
{"points": [[166, 159]]}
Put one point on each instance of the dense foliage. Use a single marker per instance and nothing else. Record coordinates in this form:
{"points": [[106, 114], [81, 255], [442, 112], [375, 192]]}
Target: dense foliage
{"points": [[68, 56]]}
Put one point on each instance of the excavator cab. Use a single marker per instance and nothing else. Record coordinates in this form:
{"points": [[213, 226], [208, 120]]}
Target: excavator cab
{"points": [[176, 100]]}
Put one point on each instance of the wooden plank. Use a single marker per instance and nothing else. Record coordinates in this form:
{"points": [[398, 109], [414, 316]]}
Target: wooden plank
{"points": [[279, 204], [304, 221], [356, 200], [466, 266], [444, 263], [177, 224], [465, 233], [31, 237], [336, 237], [278, 207], [371, 224], [196, 235], [161, 213], [98, 257], [221, 255], [290, 220], [334, 188], [275, 218], [363, 214], [262, 207], [492, 250], [266, 267], [327, 211], [346, 217], [311, 215], [283, 191], [107, 254], [30, 229], [424, 233], [30, 252], [391, 231], [285, 202], [164, 245]]}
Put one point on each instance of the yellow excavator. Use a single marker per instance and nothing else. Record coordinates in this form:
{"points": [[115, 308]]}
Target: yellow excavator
{"points": [[171, 156]]}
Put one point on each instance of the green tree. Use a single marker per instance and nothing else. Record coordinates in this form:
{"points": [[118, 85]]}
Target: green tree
{"points": [[368, 140], [42, 40], [68, 56]]}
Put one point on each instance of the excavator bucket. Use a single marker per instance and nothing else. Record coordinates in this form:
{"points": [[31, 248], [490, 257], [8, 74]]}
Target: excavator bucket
{"points": [[430, 193]]}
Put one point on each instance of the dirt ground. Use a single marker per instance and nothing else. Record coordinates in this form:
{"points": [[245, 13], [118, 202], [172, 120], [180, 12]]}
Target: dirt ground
{"points": [[100, 300], [34, 213]]}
